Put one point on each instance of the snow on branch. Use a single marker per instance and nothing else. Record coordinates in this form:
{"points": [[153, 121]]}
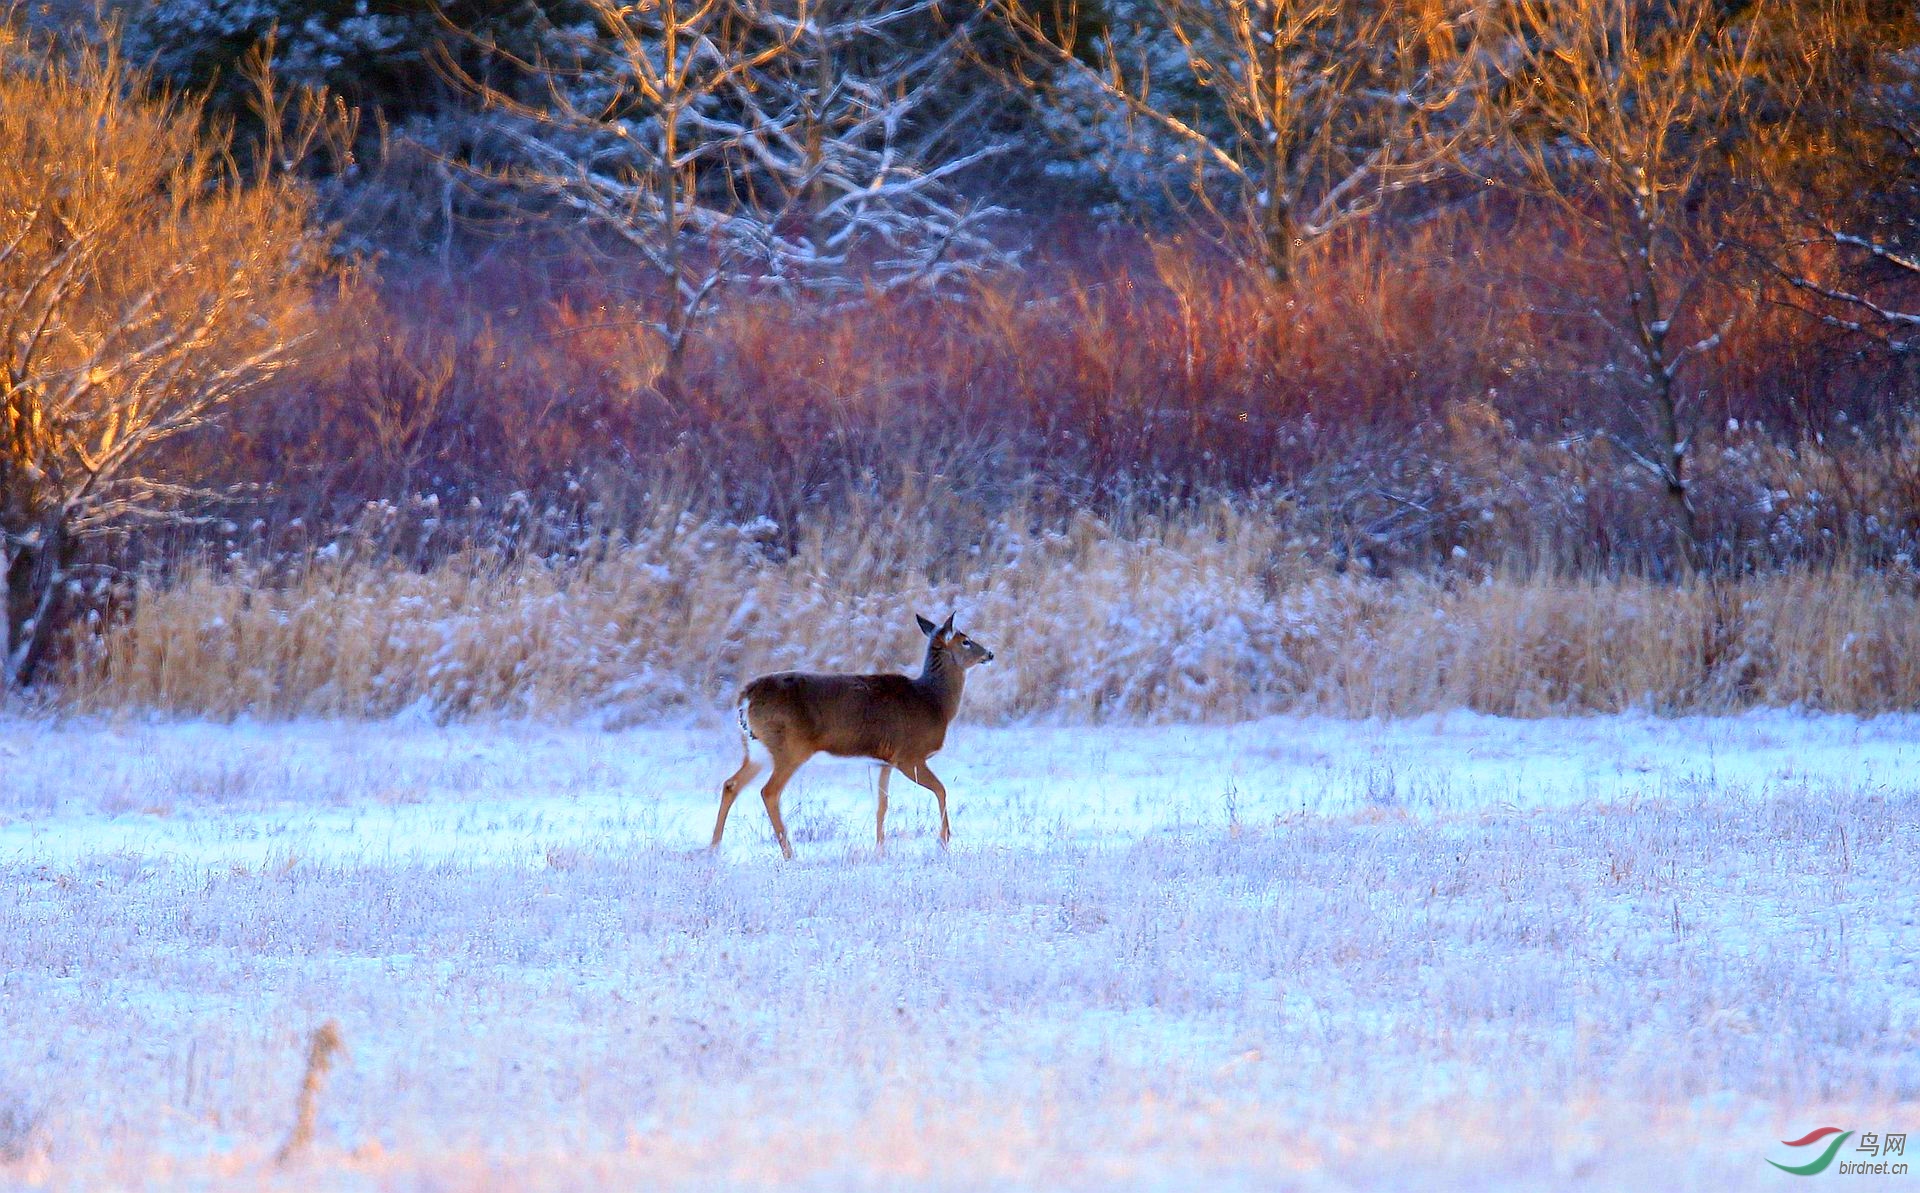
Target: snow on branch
{"points": [[793, 146], [1311, 115]]}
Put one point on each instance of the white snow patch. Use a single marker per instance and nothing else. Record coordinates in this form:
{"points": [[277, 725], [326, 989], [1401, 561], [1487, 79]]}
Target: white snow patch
{"points": [[1454, 952]]}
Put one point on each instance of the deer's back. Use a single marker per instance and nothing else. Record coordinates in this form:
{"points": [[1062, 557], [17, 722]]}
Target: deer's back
{"points": [[873, 716]]}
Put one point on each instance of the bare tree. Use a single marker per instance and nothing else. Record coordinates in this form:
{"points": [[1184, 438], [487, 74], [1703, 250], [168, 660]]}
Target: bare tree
{"points": [[751, 142], [145, 287], [1291, 118], [1623, 116]]}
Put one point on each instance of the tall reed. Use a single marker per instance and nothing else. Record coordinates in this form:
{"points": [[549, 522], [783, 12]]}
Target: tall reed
{"points": [[1210, 614]]}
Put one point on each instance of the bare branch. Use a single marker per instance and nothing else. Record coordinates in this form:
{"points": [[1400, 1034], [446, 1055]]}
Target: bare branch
{"points": [[1315, 113], [753, 144]]}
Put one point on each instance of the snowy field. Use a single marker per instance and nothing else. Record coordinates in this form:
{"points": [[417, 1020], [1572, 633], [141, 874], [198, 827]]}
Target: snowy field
{"points": [[1449, 952]]}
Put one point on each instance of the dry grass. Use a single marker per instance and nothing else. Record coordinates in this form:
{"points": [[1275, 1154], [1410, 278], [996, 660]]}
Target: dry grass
{"points": [[1205, 616]]}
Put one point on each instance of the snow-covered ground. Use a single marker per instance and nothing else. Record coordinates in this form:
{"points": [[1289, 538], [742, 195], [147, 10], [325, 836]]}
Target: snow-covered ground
{"points": [[1455, 951]]}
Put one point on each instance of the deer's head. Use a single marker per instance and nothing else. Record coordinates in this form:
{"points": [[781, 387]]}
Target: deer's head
{"points": [[958, 646]]}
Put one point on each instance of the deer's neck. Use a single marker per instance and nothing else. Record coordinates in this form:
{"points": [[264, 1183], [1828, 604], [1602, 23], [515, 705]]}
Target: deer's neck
{"points": [[943, 678]]}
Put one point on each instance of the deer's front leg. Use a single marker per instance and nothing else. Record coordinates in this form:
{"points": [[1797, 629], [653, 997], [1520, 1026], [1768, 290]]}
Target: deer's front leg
{"points": [[926, 778]]}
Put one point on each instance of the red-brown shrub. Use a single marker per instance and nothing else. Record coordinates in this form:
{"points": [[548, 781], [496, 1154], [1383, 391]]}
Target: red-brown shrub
{"points": [[1411, 397]]}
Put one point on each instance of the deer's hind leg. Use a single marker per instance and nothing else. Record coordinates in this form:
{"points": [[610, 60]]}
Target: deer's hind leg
{"points": [[730, 790], [880, 813], [784, 764]]}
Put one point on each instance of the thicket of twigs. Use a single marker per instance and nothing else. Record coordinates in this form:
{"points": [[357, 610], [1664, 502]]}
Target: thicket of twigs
{"points": [[1408, 403]]}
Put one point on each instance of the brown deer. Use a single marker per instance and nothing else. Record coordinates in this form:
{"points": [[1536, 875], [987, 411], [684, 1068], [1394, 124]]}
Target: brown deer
{"points": [[899, 722]]}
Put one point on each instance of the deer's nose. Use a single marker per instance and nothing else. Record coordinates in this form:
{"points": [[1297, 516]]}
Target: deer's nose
{"points": [[989, 656]]}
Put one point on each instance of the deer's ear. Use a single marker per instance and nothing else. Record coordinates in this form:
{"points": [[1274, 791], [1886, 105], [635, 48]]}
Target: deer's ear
{"points": [[926, 627], [947, 628]]}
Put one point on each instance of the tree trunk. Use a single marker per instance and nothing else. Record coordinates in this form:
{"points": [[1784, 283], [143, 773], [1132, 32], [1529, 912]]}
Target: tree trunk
{"points": [[36, 585], [673, 374], [1277, 229], [673, 377], [1278, 234], [1686, 535], [818, 196], [1653, 323], [1686, 540], [21, 563]]}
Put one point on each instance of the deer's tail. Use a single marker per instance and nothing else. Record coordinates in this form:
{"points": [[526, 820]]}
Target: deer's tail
{"points": [[740, 711]]}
